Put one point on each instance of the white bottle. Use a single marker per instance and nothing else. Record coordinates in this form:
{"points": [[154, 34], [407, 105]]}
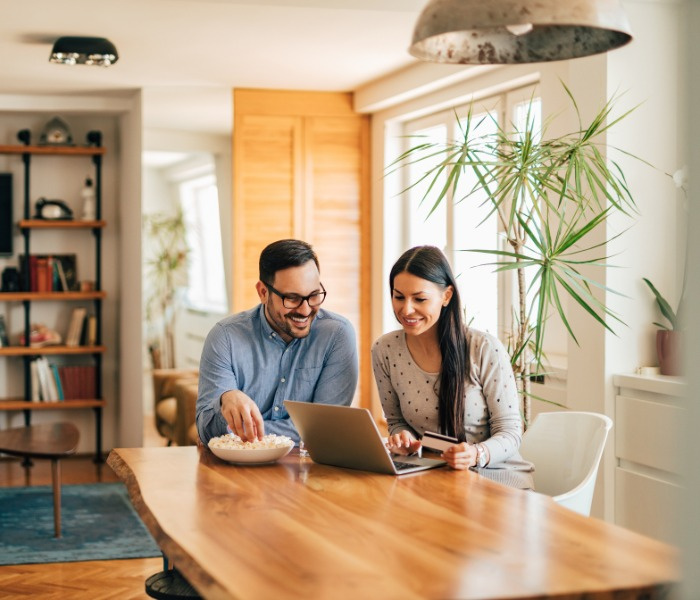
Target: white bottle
{"points": [[88, 196]]}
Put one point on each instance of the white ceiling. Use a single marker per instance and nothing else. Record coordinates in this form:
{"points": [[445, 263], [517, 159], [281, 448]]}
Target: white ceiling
{"points": [[187, 55]]}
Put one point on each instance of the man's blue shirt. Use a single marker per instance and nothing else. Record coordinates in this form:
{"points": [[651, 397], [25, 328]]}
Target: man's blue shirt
{"points": [[242, 352]]}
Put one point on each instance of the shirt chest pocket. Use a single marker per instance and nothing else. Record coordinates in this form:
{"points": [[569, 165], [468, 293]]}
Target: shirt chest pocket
{"points": [[307, 374]]}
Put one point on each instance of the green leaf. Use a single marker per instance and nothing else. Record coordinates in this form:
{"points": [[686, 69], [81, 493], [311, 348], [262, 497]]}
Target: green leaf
{"points": [[664, 306]]}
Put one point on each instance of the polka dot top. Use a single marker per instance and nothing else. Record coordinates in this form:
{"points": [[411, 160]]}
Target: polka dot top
{"points": [[409, 395]]}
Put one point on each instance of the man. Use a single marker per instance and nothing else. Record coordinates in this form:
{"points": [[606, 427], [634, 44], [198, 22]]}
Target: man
{"points": [[287, 348]]}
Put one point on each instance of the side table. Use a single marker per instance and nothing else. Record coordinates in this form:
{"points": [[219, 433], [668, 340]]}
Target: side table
{"points": [[50, 440]]}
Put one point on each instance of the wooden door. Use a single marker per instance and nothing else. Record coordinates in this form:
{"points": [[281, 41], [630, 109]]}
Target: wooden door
{"points": [[300, 168]]}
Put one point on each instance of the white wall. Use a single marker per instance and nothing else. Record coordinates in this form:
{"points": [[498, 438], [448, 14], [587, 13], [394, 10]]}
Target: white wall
{"points": [[689, 516], [648, 71], [161, 195], [220, 147], [130, 420]]}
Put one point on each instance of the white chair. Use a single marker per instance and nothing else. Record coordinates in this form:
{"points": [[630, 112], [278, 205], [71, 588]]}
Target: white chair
{"points": [[566, 448]]}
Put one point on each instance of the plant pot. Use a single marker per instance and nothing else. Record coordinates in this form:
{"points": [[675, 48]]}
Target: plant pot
{"points": [[669, 352]]}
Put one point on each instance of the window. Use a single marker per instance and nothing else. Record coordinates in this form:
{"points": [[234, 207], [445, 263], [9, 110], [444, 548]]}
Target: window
{"points": [[466, 222], [206, 289]]}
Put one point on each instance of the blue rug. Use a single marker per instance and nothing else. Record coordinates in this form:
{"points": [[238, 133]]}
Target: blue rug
{"points": [[97, 523]]}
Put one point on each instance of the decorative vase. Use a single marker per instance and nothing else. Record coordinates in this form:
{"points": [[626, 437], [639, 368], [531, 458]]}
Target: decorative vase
{"points": [[669, 352]]}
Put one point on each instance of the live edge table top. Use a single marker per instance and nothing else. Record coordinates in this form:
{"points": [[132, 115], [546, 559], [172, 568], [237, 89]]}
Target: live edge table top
{"points": [[297, 529]]}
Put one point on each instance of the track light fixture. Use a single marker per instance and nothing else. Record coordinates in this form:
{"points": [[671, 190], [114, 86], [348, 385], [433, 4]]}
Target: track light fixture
{"points": [[75, 50]]}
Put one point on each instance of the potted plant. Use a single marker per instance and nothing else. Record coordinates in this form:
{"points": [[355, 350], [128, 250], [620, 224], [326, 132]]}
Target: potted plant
{"points": [[550, 195], [668, 337], [166, 273]]}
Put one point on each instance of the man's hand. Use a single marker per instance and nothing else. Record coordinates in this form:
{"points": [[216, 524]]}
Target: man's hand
{"points": [[242, 415]]}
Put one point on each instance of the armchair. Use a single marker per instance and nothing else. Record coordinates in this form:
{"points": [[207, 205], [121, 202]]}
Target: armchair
{"points": [[186, 391], [165, 383]]}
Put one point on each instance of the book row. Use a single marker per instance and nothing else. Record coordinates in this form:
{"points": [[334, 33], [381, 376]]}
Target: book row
{"points": [[50, 273], [82, 329], [54, 383]]}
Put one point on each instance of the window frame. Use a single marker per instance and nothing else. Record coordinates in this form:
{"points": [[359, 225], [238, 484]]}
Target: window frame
{"points": [[504, 103]]}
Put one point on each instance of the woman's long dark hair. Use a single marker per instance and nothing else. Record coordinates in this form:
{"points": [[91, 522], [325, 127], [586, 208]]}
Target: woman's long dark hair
{"points": [[428, 262]]}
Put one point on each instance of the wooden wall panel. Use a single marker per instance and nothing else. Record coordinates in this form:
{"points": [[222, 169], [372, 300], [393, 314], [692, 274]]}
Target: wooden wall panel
{"points": [[336, 215], [266, 185], [301, 169]]}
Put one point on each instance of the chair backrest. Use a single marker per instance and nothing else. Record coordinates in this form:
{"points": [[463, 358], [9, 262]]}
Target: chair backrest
{"points": [[566, 448]]}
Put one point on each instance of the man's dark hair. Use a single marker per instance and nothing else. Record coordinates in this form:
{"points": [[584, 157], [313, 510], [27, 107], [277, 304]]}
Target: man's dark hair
{"points": [[284, 254]]}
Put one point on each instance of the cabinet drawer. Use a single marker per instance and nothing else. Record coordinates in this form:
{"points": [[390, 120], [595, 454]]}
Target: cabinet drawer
{"points": [[644, 432], [646, 504]]}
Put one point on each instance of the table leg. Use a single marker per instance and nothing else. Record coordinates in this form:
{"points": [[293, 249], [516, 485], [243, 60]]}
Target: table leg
{"points": [[169, 584], [56, 480]]}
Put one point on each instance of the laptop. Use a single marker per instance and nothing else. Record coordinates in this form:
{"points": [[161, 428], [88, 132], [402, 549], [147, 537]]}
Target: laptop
{"points": [[345, 436]]}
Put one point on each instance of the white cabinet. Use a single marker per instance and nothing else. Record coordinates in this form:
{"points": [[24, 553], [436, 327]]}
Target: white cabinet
{"points": [[648, 419]]}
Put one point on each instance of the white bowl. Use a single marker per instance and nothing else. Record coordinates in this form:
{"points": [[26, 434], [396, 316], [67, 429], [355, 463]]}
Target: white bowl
{"points": [[251, 455]]}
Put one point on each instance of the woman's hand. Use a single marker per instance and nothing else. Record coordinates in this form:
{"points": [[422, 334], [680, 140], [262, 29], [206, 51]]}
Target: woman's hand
{"points": [[403, 443], [460, 456]]}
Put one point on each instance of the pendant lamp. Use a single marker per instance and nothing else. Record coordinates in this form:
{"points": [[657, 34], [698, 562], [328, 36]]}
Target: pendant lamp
{"points": [[75, 50], [517, 31]]}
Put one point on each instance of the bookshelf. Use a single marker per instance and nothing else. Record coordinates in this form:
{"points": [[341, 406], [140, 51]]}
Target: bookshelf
{"points": [[30, 226]]}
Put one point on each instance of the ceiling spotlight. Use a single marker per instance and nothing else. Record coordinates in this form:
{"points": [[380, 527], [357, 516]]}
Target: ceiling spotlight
{"points": [[517, 31], [75, 50]]}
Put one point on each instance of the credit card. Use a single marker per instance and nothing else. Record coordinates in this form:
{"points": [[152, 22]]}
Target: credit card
{"points": [[437, 441]]}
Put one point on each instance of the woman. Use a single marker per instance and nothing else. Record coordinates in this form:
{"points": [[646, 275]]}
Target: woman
{"points": [[437, 375]]}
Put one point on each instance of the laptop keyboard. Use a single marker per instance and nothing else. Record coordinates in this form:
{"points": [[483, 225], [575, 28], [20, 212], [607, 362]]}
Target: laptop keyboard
{"points": [[403, 465]]}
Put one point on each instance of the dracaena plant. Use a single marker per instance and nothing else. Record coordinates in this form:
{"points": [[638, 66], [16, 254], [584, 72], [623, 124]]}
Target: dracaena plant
{"points": [[551, 196], [166, 274], [665, 308]]}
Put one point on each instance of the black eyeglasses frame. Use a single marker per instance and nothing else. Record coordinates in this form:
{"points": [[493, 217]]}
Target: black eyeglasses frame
{"points": [[302, 299]]}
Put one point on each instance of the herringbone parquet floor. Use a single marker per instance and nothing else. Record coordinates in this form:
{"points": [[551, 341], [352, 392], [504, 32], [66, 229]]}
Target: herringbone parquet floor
{"points": [[96, 580]]}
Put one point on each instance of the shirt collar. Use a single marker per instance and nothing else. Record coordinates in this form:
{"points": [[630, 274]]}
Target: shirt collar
{"points": [[267, 331], [265, 328]]}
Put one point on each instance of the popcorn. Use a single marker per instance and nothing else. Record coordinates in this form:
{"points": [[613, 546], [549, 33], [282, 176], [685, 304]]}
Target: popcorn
{"points": [[233, 442]]}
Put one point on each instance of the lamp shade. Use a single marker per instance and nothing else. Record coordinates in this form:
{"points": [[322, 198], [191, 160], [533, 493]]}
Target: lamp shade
{"points": [[517, 31], [75, 50]]}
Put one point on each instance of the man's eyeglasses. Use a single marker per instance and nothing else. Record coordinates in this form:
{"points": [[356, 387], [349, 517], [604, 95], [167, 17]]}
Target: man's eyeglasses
{"points": [[295, 300]]}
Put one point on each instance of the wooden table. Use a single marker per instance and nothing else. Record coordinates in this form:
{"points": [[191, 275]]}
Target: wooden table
{"points": [[296, 529], [50, 440]]}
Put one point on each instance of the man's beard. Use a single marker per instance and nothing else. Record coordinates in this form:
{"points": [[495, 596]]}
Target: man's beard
{"points": [[282, 322]]}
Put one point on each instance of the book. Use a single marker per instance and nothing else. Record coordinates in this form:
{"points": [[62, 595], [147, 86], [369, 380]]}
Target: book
{"points": [[4, 340], [66, 383], [43, 390], [43, 277], [91, 331], [51, 382], [84, 332], [48, 388], [61, 275], [57, 382], [76, 326], [36, 385], [31, 275], [68, 265]]}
